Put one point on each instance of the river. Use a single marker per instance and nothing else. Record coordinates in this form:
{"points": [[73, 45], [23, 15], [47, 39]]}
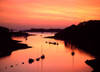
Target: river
{"points": [[58, 58]]}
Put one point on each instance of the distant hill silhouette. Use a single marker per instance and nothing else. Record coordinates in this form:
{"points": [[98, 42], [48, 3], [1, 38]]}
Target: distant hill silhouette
{"points": [[84, 31], [7, 45], [42, 30], [86, 36], [20, 33]]}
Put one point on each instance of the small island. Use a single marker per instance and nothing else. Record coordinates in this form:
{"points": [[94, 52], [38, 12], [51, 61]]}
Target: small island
{"points": [[7, 45]]}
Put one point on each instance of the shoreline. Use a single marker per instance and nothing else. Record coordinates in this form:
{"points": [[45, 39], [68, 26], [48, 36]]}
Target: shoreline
{"points": [[84, 36], [13, 47], [7, 45]]}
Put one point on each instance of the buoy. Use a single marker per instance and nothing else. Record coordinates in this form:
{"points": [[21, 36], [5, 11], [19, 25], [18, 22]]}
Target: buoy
{"points": [[31, 60], [50, 43], [16, 64], [37, 59], [57, 44], [54, 43], [11, 65], [73, 53], [43, 56], [5, 67], [22, 62]]}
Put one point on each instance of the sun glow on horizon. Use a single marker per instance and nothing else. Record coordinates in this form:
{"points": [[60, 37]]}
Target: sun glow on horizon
{"points": [[48, 12]]}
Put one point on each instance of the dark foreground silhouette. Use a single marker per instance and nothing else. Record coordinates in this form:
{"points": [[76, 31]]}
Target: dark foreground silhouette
{"points": [[7, 45], [86, 36], [95, 64]]}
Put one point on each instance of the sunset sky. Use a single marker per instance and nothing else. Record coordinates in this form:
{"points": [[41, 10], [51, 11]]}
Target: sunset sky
{"points": [[25, 14]]}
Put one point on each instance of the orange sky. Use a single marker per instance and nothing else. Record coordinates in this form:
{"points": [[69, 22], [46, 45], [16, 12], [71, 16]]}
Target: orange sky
{"points": [[47, 13]]}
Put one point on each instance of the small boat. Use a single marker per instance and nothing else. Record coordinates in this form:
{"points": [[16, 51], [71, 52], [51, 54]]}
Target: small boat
{"points": [[31, 60], [11, 65], [57, 44], [43, 57], [5, 67], [37, 59], [50, 43], [22, 62], [72, 53], [54, 43]]}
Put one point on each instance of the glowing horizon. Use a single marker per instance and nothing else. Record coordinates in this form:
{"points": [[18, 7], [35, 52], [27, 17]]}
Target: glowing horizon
{"points": [[47, 13]]}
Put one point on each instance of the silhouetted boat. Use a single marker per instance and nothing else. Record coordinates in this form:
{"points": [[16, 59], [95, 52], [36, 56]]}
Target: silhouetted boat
{"points": [[72, 53], [11, 65], [16, 64], [37, 59], [57, 44], [50, 43], [22, 62], [5, 67], [31, 60], [54, 43], [43, 56]]}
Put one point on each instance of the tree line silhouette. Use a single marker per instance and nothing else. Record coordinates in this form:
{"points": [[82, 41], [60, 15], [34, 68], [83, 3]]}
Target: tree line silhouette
{"points": [[85, 36]]}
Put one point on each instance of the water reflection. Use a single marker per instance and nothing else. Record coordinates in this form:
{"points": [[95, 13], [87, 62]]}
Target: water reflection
{"points": [[52, 58], [81, 48], [72, 47]]}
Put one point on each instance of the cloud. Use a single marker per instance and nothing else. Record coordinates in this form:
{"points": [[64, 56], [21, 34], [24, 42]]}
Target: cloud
{"points": [[48, 11]]}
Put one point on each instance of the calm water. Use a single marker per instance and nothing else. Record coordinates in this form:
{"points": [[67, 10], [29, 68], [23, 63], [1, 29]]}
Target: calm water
{"points": [[58, 58]]}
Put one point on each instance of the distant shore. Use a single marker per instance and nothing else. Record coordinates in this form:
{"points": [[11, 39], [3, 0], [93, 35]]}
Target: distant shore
{"points": [[16, 34], [42, 30]]}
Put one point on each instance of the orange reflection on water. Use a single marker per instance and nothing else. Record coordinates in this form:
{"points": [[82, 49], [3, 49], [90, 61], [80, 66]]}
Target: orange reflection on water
{"points": [[58, 58]]}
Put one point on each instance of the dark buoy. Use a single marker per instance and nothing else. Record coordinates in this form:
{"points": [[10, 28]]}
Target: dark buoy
{"points": [[57, 44], [43, 57], [5, 67], [22, 62], [50, 43], [72, 53], [16, 64], [37, 59], [54, 43], [11, 65], [31, 60]]}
